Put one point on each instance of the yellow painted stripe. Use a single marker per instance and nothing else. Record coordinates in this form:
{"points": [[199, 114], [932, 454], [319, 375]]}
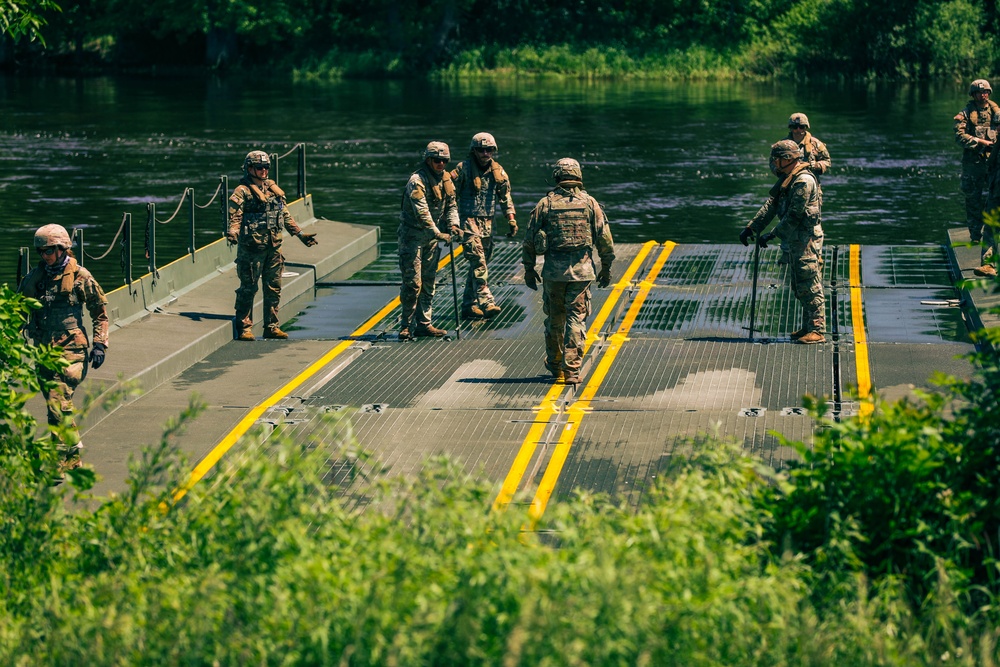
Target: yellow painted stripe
{"points": [[581, 407], [250, 419], [547, 408], [866, 406]]}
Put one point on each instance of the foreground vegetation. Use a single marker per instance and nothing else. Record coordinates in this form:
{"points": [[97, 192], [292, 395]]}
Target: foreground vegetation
{"points": [[598, 38], [878, 549]]}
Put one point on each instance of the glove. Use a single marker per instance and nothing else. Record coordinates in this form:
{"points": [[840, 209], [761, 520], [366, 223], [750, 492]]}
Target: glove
{"points": [[97, 355], [309, 240], [441, 236], [763, 239], [604, 277], [512, 231], [746, 235], [531, 277], [232, 239]]}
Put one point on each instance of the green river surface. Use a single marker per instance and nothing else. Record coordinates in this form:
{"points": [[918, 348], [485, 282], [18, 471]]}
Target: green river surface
{"points": [[685, 162]]}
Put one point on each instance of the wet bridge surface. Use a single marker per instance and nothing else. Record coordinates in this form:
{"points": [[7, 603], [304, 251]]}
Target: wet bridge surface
{"points": [[669, 358]]}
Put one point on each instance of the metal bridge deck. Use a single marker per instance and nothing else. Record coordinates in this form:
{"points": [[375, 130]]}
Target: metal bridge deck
{"points": [[671, 359]]}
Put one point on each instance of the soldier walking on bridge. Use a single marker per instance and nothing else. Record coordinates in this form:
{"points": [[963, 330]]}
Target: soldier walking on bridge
{"points": [[428, 205], [814, 152], [565, 227], [976, 132], [257, 212], [481, 184], [64, 287], [797, 201]]}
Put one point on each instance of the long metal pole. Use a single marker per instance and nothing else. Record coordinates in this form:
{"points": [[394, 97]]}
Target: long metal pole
{"points": [[753, 293], [454, 287]]}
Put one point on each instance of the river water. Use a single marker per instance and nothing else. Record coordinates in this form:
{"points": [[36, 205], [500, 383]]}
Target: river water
{"points": [[680, 161]]}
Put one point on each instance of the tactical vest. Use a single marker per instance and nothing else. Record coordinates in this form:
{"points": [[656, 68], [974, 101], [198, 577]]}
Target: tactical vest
{"points": [[262, 212], [478, 198], [568, 222], [813, 207], [983, 126], [61, 308], [439, 191]]}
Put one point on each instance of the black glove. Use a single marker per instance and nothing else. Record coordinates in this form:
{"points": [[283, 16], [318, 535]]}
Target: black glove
{"points": [[512, 230], [531, 277], [604, 277], [97, 355], [764, 238], [232, 239], [309, 240], [746, 235]]}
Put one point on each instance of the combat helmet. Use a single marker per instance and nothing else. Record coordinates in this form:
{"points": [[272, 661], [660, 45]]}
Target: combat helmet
{"points": [[567, 169], [798, 119], [52, 235], [255, 158], [437, 149], [786, 149], [483, 140], [979, 86]]}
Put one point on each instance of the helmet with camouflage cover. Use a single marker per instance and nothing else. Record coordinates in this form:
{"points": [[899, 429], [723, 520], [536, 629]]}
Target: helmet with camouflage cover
{"points": [[980, 86], [798, 119], [483, 140], [255, 159], [52, 235], [786, 149], [567, 169], [437, 149]]}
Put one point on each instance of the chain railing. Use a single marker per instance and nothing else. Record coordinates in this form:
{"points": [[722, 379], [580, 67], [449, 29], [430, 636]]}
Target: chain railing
{"points": [[125, 229]]}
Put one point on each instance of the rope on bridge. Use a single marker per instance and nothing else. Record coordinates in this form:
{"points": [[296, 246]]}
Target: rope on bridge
{"points": [[290, 151], [115, 240], [177, 210], [218, 189]]}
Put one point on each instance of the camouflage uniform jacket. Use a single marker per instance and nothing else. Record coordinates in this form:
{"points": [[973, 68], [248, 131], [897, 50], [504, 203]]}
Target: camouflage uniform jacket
{"points": [[479, 191], [815, 153], [797, 204], [973, 123], [429, 202], [573, 263], [60, 319], [257, 214]]}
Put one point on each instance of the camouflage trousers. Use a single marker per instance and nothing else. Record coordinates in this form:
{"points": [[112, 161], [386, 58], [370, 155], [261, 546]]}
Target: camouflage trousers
{"points": [[478, 251], [974, 182], [59, 397], [988, 249], [419, 254], [253, 266], [566, 306], [806, 269]]}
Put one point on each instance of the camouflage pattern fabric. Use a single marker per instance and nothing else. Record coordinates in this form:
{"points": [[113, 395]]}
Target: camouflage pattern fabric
{"points": [[971, 123], [60, 322], [798, 206], [478, 251], [566, 276], [988, 249], [257, 216], [428, 208], [566, 306], [815, 153]]}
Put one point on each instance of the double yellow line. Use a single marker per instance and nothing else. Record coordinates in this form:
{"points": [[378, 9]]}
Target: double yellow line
{"points": [[579, 408], [866, 405], [217, 452]]}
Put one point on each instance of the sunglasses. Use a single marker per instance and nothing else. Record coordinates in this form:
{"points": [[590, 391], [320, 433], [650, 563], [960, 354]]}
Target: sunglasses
{"points": [[484, 150], [798, 127], [48, 251], [262, 166], [439, 160]]}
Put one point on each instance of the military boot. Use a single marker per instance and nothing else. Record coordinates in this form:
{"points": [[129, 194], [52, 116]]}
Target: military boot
{"points": [[246, 334], [986, 271], [491, 311], [429, 330], [795, 335], [811, 338], [275, 332], [570, 377], [559, 377], [404, 334], [472, 313]]}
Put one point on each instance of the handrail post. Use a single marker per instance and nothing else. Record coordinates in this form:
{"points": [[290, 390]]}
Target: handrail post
{"points": [[127, 251], [189, 193], [225, 204], [274, 166], [77, 241], [302, 170], [23, 263], [151, 237]]}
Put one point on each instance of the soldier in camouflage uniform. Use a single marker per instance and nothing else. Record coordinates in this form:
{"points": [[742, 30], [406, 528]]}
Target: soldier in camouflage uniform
{"points": [[64, 288], [814, 152], [257, 212], [428, 206], [481, 184], [976, 132], [797, 203], [565, 227]]}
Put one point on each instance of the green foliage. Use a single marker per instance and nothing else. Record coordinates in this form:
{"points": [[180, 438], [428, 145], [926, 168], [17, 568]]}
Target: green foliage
{"points": [[25, 19]]}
